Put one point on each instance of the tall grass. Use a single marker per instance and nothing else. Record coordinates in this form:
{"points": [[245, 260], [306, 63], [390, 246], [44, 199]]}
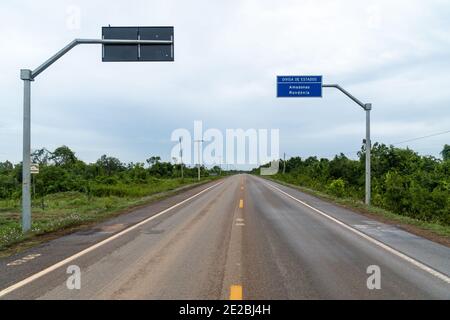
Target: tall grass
{"points": [[65, 210]]}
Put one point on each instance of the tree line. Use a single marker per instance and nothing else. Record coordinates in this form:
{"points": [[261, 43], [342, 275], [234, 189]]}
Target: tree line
{"points": [[403, 181], [60, 171]]}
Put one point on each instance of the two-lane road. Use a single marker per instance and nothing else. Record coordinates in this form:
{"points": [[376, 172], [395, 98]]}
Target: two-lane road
{"points": [[242, 237]]}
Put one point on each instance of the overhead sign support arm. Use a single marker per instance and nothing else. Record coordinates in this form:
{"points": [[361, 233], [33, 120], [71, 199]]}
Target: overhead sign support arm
{"points": [[367, 107], [76, 42]]}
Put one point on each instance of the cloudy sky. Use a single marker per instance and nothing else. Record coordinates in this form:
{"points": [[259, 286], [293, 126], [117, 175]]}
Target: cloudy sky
{"points": [[394, 54]]}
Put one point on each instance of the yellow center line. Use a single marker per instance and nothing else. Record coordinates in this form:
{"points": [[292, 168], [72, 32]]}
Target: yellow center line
{"points": [[241, 204], [236, 292]]}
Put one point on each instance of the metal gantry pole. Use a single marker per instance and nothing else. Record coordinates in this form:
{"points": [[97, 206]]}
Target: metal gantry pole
{"points": [[367, 108], [25, 75], [368, 154]]}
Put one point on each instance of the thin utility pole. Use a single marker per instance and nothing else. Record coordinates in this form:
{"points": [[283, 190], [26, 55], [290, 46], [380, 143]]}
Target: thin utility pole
{"points": [[284, 162], [198, 150], [181, 158]]}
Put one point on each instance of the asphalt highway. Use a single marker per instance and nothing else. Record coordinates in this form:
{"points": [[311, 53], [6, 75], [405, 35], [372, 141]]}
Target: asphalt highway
{"points": [[241, 237]]}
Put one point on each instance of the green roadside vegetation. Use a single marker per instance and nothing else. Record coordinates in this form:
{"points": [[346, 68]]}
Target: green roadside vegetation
{"points": [[70, 194], [407, 189]]}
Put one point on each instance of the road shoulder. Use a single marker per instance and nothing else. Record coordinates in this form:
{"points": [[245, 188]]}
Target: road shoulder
{"points": [[419, 248], [398, 223]]}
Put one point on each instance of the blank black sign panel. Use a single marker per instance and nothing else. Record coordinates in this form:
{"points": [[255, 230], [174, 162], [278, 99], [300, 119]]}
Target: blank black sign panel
{"points": [[120, 52]]}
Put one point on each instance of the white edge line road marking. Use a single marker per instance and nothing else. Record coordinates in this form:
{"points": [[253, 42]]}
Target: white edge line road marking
{"points": [[95, 246], [416, 263]]}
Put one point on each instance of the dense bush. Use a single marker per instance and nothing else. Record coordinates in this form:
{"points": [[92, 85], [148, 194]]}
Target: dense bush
{"points": [[402, 180], [337, 187]]}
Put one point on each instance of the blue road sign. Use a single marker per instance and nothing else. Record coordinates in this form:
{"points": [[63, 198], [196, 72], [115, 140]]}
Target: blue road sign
{"points": [[299, 86]]}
